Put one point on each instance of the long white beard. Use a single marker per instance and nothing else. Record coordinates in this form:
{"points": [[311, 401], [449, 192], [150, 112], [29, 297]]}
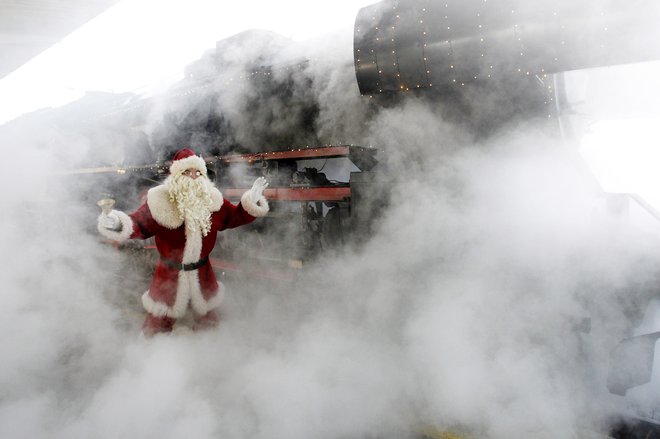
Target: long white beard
{"points": [[192, 197]]}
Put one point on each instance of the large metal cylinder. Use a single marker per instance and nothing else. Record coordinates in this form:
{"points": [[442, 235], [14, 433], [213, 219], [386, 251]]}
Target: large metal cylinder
{"points": [[407, 44]]}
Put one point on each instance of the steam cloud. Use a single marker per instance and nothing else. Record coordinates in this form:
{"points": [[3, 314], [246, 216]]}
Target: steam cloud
{"points": [[463, 311]]}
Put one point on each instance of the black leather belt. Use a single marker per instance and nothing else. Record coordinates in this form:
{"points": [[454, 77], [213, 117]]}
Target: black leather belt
{"points": [[185, 267]]}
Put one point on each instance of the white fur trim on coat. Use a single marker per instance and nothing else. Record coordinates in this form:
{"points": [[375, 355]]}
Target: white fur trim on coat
{"points": [[165, 212], [117, 235], [258, 209], [192, 162], [159, 309], [187, 289]]}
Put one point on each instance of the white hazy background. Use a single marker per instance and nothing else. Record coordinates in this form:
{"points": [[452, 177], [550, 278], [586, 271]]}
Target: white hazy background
{"points": [[460, 313], [139, 45]]}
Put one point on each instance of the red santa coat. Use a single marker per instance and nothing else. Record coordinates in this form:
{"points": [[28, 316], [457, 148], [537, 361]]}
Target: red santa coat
{"points": [[171, 290]]}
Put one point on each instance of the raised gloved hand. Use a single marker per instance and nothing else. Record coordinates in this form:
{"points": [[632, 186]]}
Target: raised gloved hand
{"points": [[257, 190], [110, 221]]}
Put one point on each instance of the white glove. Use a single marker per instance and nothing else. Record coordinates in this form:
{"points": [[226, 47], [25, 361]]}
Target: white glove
{"points": [[111, 222], [257, 190]]}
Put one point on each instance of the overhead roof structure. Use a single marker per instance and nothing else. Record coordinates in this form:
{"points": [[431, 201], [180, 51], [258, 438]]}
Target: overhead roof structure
{"points": [[29, 27]]}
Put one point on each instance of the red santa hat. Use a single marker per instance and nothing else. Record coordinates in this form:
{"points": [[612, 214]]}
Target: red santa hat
{"points": [[187, 159]]}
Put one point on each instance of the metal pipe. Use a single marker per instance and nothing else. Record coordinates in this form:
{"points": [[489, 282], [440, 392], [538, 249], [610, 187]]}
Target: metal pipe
{"points": [[408, 44]]}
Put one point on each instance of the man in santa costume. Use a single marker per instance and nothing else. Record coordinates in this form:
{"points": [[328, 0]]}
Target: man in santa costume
{"points": [[184, 214]]}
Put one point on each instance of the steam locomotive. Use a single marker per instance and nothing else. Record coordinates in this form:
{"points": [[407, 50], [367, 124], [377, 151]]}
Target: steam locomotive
{"points": [[324, 191]]}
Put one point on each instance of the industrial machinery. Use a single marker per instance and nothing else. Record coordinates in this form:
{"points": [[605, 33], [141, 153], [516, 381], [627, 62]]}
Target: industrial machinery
{"points": [[325, 214], [512, 52], [411, 44], [321, 214]]}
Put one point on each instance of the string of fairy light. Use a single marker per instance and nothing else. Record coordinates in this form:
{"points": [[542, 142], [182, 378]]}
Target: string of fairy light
{"points": [[323, 151], [450, 47], [482, 46], [436, 25], [425, 30], [395, 58]]}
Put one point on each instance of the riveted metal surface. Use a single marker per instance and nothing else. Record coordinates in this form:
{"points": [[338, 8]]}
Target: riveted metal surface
{"points": [[403, 45]]}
